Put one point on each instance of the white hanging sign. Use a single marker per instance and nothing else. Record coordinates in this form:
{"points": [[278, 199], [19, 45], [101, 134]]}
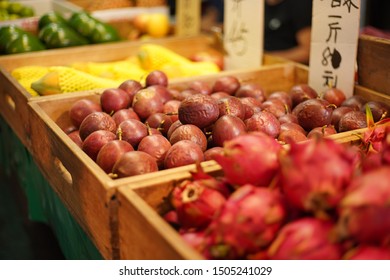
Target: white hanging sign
{"points": [[188, 16], [243, 33], [334, 39]]}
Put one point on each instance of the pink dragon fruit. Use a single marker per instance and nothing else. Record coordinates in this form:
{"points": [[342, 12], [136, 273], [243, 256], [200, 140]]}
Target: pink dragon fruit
{"points": [[305, 239], [248, 221], [376, 144], [315, 173], [367, 252], [365, 208], [250, 159], [196, 204], [195, 239], [374, 136]]}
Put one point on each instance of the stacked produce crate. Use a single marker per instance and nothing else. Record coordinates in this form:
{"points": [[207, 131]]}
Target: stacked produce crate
{"points": [[124, 216]]}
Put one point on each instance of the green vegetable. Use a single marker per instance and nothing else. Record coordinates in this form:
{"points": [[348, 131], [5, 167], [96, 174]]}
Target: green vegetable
{"points": [[83, 23], [14, 7], [26, 12], [50, 17], [24, 43], [57, 35], [8, 34], [93, 29], [104, 33]]}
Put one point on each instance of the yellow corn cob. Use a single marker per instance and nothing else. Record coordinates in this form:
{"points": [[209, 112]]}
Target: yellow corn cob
{"points": [[61, 79], [154, 57]]}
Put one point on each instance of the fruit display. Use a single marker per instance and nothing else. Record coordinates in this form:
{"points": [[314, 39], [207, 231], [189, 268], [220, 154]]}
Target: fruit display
{"points": [[81, 76], [10, 10], [173, 126], [54, 31], [91, 6], [312, 200]]}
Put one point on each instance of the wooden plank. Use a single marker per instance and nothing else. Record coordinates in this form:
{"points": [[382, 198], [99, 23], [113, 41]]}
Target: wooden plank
{"points": [[373, 59], [148, 236], [372, 95], [185, 46], [80, 187], [271, 77]]}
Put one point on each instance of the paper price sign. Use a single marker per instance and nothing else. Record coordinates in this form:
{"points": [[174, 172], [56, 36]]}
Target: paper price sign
{"points": [[243, 33], [334, 38], [188, 17]]}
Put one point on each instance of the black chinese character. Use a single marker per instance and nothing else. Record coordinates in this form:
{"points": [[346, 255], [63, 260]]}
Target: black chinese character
{"points": [[237, 6], [237, 37], [334, 56], [330, 80], [333, 26], [350, 4], [336, 3]]}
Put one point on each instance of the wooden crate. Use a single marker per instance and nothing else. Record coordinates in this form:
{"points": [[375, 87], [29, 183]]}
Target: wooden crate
{"points": [[87, 191], [14, 98], [373, 59], [143, 234]]}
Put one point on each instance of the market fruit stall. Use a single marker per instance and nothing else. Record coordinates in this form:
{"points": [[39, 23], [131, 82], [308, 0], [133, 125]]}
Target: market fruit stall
{"points": [[101, 204], [77, 175]]}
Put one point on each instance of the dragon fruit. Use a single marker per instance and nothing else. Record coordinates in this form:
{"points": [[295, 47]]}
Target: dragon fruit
{"points": [[376, 144], [366, 252], [195, 239], [305, 239], [365, 208], [250, 159], [248, 221], [315, 173], [196, 204], [374, 136]]}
